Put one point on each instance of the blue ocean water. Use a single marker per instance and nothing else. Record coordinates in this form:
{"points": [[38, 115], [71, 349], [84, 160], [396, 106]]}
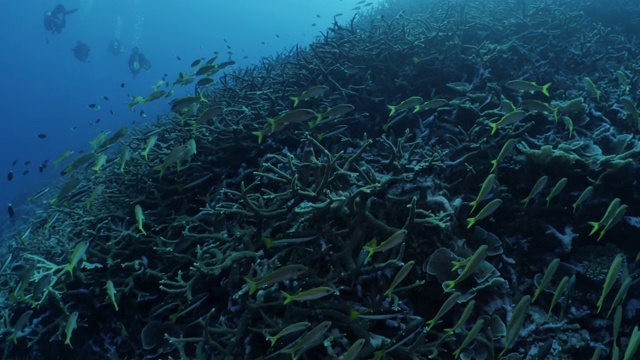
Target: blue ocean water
{"points": [[46, 90]]}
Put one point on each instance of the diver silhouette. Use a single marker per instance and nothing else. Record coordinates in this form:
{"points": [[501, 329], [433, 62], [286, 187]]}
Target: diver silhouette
{"points": [[138, 62], [115, 48], [56, 20], [81, 51]]}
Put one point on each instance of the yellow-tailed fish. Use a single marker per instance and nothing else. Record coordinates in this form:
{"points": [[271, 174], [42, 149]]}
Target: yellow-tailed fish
{"points": [[20, 324], [562, 286], [623, 80], [391, 242], [486, 211], [466, 313], [412, 102], [556, 190], [67, 188], [617, 216], [308, 340], [630, 107], [432, 104], [139, 218], [511, 118], [178, 105], [471, 265], [591, 88], [111, 293], [100, 161], [568, 123], [135, 101], [354, 350], [546, 278], [313, 92], [177, 156], [287, 239], [155, 95], [583, 196], [158, 84], [506, 149], [62, 157], [611, 210], [535, 190], [78, 253], [446, 306], [533, 105], [209, 114], [93, 195], [299, 326], [311, 294], [634, 342], [487, 185], [291, 117], [622, 293], [515, 324], [25, 278], [521, 85], [72, 323], [471, 335], [404, 271], [124, 156], [97, 141], [612, 275], [280, 274], [113, 138], [150, 142], [335, 111]]}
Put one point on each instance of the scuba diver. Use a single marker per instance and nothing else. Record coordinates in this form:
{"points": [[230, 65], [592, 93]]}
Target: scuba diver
{"points": [[115, 48], [81, 51], [56, 20], [138, 62]]}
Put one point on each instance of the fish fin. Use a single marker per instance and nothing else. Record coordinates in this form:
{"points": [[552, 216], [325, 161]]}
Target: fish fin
{"points": [[295, 100], [545, 89]]}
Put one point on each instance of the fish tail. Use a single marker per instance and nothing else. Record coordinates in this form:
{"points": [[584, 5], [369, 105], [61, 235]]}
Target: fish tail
{"points": [[393, 110], [268, 242], [471, 222], [295, 100], [159, 168], [495, 165], [253, 286], [473, 206], [259, 135], [287, 298], [448, 285], [595, 225], [417, 108], [430, 323], [456, 265], [545, 89], [494, 127], [202, 98]]}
